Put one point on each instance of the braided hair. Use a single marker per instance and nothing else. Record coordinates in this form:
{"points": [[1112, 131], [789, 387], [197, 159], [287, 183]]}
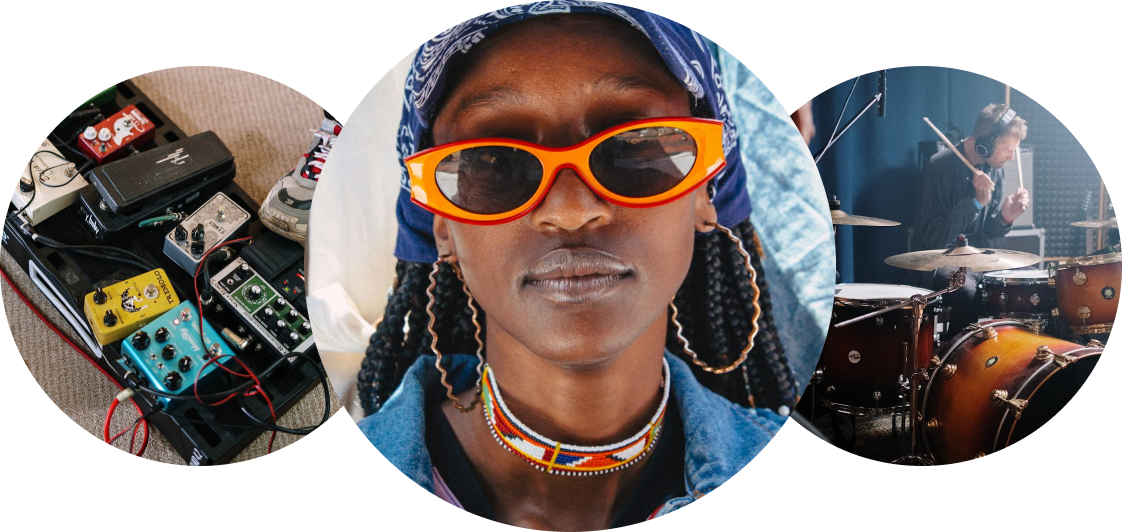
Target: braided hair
{"points": [[715, 310]]}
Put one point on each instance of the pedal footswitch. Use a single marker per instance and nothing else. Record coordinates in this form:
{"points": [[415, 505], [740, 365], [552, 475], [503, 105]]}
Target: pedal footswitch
{"points": [[120, 309], [216, 221], [170, 354], [49, 184]]}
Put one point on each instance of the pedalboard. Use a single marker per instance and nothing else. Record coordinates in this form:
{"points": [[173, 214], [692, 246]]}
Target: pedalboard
{"points": [[171, 356], [49, 183], [120, 309], [109, 139], [218, 220], [263, 308], [126, 185]]}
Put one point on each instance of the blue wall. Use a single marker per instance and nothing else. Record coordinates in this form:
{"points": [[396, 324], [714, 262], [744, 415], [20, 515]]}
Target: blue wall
{"points": [[874, 169]]}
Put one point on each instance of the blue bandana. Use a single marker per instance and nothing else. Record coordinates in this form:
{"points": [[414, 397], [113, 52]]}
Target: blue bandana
{"points": [[684, 51]]}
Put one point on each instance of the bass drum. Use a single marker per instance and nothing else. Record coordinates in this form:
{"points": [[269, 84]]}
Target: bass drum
{"points": [[998, 383]]}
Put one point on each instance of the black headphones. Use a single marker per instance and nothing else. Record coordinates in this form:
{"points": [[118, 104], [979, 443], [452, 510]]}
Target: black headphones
{"points": [[984, 146]]}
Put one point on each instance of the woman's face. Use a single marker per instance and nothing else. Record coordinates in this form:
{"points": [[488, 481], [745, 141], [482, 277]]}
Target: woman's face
{"points": [[578, 279]]}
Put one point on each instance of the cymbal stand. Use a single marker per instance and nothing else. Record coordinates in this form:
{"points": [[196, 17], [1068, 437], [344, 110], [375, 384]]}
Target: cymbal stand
{"points": [[918, 303]]}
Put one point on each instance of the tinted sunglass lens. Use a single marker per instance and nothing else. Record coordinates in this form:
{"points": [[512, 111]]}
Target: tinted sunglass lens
{"points": [[644, 162], [489, 179]]}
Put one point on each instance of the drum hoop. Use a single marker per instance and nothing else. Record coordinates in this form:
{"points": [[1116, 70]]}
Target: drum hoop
{"points": [[1090, 260], [1014, 281], [876, 302], [843, 408], [1102, 328], [958, 341], [1091, 351]]}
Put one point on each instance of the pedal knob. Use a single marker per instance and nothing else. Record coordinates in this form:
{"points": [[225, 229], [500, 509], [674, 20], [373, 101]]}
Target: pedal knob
{"points": [[105, 135], [269, 313], [306, 327], [100, 296], [280, 325], [244, 268], [180, 233], [254, 293], [162, 334], [197, 248], [198, 233], [26, 186], [292, 315], [90, 133], [292, 339], [141, 340], [110, 318], [173, 381], [185, 364], [279, 303], [168, 352]]}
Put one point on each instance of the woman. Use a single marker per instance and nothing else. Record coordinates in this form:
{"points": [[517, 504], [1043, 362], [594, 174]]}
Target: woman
{"points": [[567, 271]]}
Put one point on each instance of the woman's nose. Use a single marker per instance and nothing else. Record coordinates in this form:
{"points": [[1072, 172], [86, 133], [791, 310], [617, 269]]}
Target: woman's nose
{"points": [[570, 205]]}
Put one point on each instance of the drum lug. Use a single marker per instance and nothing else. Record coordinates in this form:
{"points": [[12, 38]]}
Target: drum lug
{"points": [[980, 454], [1051, 280], [1079, 278], [819, 375], [830, 389], [948, 371], [989, 333], [1095, 343], [1055, 312], [931, 426], [1044, 354], [1000, 398]]}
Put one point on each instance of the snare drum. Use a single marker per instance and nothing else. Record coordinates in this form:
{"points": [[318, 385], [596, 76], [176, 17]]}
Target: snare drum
{"points": [[862, 364], [1018, 294], [1087, 292], [998, 383]]}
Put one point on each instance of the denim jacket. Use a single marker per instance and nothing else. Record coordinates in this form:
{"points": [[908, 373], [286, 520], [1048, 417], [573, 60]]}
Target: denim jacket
{"points": [[721, 437]]}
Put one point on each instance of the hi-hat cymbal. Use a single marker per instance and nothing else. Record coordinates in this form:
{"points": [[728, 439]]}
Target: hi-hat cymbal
{"points": [[979, 260], [1109, 223], [841, 218]]}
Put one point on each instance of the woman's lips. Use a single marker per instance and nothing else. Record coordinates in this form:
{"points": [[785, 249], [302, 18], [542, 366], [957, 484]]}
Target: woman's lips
{"points": [[576, 275]]}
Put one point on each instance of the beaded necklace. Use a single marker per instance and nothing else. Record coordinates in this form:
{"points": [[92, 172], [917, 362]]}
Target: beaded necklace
{"points": [[560, 458]]}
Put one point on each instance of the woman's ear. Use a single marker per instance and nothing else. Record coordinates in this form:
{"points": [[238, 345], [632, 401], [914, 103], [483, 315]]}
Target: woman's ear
{"points": [[706, 213], [445, 244]]}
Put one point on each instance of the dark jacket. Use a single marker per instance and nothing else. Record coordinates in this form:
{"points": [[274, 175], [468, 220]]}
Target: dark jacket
{"points": [[947, 206]]}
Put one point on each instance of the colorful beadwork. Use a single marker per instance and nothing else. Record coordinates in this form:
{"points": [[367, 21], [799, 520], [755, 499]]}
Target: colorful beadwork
{"points": [[559, 458]]}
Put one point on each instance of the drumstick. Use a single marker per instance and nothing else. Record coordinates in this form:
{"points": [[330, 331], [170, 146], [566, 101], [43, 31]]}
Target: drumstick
{"points": [[951, 146], [1020, 183]]}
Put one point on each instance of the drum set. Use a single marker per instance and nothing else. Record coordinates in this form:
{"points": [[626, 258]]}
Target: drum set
{"points": [[990, 385]]}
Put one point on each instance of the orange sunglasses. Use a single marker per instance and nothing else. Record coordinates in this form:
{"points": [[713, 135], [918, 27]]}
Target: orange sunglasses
{"points": [[645, 163]]}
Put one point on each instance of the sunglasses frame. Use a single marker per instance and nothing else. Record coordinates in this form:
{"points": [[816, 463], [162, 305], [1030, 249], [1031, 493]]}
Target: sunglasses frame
{"points": [[707, 134]]}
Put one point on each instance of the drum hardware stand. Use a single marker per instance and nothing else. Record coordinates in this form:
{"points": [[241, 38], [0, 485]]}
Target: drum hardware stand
{"points": [[919, 372], [878, 98]]}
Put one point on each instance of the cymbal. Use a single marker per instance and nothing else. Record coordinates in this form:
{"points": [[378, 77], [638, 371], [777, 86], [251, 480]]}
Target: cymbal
{"points": [[977, 259], [841, 218], [1109, 223]]}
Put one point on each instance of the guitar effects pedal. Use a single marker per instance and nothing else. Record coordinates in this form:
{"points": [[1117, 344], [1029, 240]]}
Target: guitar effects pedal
{"points": [[120, 309]]}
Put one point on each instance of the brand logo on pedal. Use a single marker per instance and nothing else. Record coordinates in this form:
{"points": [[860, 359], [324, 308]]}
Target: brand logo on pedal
{"points": [[1108, 292], [92, 222], [175, 157]]}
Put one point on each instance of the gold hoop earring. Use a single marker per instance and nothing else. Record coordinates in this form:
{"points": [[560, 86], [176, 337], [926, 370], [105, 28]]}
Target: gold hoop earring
{"points": [[439, 356], [755, 312]]}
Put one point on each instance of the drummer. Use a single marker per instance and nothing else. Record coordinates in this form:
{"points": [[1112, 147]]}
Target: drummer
{"points": [[953, 201]]}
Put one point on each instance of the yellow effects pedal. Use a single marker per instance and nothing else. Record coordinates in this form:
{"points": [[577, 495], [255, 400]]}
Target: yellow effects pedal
{"points": [[121, 309]]}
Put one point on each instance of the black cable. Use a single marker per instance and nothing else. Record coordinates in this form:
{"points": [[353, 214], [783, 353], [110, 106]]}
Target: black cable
{"points": [[71, 148], [135, 385], [92, 249], [322, 377]]}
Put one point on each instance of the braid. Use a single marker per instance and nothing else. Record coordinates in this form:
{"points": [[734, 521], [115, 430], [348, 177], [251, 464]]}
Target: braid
{"points": [[719, 285], [391, 350], [714, 304]]}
